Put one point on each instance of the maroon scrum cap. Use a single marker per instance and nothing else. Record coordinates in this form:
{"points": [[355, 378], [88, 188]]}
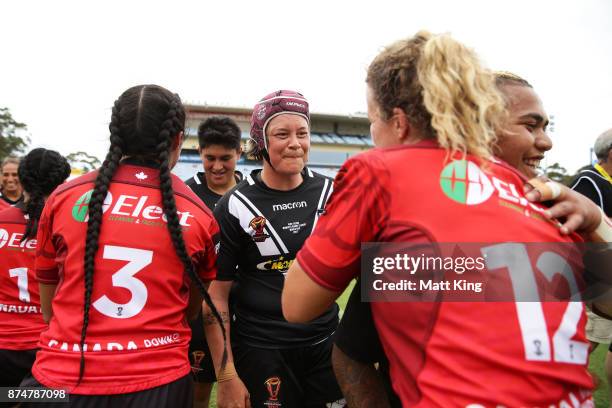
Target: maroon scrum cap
{"points": [[272, 105]]}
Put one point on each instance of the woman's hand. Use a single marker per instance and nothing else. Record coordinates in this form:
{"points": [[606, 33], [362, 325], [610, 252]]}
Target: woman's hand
{"points": [[232, 394], [580, 213]]}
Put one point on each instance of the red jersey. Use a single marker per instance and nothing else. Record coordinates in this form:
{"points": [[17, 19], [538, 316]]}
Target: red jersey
{"points": [[20, 317], [138, 335], [488, 354]]}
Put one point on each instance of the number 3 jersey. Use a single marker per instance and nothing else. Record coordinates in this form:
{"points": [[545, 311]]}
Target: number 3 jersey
{"points": [[261, 231], [138, 334], [455, 354], [20, 317]]}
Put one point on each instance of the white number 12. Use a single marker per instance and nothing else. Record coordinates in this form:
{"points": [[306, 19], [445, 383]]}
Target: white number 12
{"points": [[531, 317]]}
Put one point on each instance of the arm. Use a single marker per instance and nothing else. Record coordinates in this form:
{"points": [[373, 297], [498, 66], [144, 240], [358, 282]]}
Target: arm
{"points": [[360, 383], [356, 349], [231, 392], [303, 299], [47, 292], [195, 301]]}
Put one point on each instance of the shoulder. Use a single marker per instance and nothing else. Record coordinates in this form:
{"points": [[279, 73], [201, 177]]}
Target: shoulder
{"points": [[79, 181], [12, 215], [182, 190], [241, 188]]}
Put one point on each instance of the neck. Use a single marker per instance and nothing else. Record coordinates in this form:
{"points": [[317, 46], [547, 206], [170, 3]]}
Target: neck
{"points": [[607, 166], [279, 181], [224, 188], [12, 195]]}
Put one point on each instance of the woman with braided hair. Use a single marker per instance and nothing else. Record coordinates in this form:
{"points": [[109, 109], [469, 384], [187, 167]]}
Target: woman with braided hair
{"points": [[124, 252], [21, 322]]}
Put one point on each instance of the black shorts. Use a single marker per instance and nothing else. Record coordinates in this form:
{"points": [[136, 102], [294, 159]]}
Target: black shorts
{"points": [[15, 365], [288, 378], [178, 393], [200, 358]]}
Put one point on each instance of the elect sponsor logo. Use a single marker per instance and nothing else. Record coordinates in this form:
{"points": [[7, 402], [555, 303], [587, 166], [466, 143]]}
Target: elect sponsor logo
{"points": [[465, 182], [127, 208], [13, 241], [289, 206]]}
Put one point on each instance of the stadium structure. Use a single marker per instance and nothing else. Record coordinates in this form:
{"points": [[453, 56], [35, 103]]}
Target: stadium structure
{"points": [[334, 138]]}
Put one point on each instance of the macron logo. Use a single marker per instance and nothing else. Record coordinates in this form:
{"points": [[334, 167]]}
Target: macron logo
{"points": [[289, 206]]}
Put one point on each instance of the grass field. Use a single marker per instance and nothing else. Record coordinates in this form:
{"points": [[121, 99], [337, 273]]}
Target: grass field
{"points": [[596, 365]]}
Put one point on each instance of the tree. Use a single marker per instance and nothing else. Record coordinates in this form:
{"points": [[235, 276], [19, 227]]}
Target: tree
{"points": [[558, 173], [83, 161], [11, 143]]}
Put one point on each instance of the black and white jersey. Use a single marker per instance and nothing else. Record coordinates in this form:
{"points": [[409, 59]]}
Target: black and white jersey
{"points": [[261, 231], [198, 185], [593, 185]]}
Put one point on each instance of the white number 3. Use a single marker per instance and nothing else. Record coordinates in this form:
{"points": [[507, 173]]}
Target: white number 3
{"points": [[124, 278]]}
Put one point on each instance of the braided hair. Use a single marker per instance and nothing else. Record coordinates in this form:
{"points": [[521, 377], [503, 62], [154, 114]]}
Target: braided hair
{"points": [[40, 172], [144, 121]]}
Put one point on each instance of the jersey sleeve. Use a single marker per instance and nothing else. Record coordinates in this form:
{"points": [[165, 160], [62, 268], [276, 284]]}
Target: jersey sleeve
{"points": [[355, 213], [47, 270], [229, 239], [206, 259], [588, 188], [356, 334]]}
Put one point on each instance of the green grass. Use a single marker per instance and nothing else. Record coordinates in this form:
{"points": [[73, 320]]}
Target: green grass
{"points": [[596, 365]]}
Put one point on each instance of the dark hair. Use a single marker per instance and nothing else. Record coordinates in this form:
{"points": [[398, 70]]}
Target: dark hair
{"points": [[40, 172], [219, 130], [144, 121]]}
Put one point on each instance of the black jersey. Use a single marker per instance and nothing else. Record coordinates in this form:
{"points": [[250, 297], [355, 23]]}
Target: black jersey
{"points": [[261, 231], [589, 182], [198, 184]]}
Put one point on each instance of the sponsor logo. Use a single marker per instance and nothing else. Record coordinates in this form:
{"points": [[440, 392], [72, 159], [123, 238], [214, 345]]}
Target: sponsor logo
{"points": [[273, 387], [80, 208], [296, 104], [14, 241], [289, 206], [279, 264], [197, 356], [141, 176], [336, 404], [127, 208], [116, 346], [257, 226], [465, 183]]}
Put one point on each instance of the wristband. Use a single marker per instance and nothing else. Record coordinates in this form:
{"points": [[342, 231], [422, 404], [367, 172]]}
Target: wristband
{"points": [[603, 232], [548, 190], [227, 373]]}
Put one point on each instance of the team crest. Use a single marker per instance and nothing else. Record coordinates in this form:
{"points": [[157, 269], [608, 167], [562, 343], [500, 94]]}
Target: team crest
{"points": [[273, 387], [258, 224], [141, 176]]}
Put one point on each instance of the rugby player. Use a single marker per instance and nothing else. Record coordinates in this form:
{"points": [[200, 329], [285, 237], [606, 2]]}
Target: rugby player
{"points": [[21, 321], [429, 102], [220, 149], [264, 221], [123, 253]]}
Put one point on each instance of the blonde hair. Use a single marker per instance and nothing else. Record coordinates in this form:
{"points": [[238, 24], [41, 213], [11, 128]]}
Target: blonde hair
{"points": [[443, 90]]}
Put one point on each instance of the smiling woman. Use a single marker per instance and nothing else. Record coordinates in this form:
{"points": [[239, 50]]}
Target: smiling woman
{"points": [[264, 221], [523, 141]]}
